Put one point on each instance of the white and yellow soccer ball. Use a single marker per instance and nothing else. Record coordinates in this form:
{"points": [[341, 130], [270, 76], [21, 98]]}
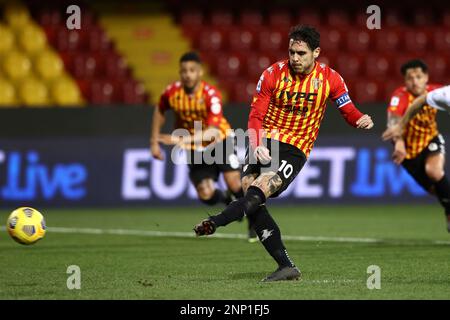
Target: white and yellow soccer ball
{"points": [[26, 225]]}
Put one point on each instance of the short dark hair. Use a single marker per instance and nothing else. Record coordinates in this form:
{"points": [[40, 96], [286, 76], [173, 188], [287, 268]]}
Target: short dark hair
{"points": [[412, 64], [307, 34], [190, 56]]}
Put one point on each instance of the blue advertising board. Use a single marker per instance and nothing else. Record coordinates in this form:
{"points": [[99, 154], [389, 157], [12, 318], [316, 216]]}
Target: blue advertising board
{"points": [[120, 171]]}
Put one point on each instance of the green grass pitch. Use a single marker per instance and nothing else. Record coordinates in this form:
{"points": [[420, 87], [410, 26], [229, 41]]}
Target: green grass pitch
{"points": [[148, 254]]}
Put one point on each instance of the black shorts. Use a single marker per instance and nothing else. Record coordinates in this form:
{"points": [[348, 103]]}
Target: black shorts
{"points": [[291, 162], [416, 166], [205, 165]]}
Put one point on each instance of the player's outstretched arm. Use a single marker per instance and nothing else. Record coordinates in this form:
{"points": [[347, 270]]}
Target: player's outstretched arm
{"points": [[397, 130]]}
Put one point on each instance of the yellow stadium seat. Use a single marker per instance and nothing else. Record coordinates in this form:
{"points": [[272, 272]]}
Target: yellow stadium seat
{"points": [[6, 39], [31, 38], [33, 93], [65, 92], [48, 65], [16, 15], [16, 65], [7, 94]]}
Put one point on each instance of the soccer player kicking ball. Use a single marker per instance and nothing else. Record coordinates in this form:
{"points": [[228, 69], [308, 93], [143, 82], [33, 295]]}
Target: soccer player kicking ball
{"points": [[440, 100], [287, 108]]}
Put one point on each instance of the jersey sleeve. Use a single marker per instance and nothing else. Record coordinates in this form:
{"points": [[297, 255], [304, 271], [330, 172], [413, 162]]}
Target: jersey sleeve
{"points": [[214, 107], [339, 94], [259, 106], [164, 104], [439, 98], [398, 103]]}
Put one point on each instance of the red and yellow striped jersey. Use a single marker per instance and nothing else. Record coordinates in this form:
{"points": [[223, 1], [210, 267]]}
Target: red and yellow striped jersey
{"points": [[421, 129], [204, 105], [292, 106]]}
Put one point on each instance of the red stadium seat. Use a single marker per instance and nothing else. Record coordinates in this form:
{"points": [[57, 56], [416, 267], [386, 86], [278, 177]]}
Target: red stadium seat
{"points": [[70, 39], [221, 18], [212, 40], [438, 64], [98, 40], [86, 66], [49, 17], [331, 39], [417, 40], [229, 65], [389, 39], [446, 18], [378, 65], [191, 18], [390, 86], [399, 60], [280, 18], [272, 39], [132, 92], [309, 17], [257, 63], [367, 91], [349, 65], [243, 91], [102, 92], [115, 66], [251, 18], [423, 17], [392, 18], [241, 39], [329, 59], [360, 19], [359, 40], [441, 40], [338, 18]]}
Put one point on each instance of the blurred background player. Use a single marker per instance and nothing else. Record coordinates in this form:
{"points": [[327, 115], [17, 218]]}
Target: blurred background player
{"points": [[440, 100], [192, 99], [420, 149], [288, 108]]}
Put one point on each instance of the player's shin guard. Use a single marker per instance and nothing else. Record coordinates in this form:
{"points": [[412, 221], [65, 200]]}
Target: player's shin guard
{"points": [[442, 188], [270, 236], [243, 206], [218, 197]]}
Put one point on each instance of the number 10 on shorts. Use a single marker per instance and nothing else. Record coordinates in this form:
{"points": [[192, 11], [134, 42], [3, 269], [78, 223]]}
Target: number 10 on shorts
{"points": [[286, 169]]}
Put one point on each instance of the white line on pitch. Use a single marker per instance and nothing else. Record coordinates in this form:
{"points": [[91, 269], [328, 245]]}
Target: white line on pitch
{"points": [[151, 233]]}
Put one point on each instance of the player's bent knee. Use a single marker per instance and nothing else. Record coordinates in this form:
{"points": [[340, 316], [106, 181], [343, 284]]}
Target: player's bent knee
{"points": [[247, 182], [435, 174], [268, 182]]}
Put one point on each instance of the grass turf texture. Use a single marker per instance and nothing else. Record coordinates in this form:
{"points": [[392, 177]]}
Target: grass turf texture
{"points": [[413, 254]]}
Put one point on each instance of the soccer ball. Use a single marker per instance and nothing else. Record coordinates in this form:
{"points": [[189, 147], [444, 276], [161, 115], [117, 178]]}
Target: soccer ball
{"points": [[26, 225]]}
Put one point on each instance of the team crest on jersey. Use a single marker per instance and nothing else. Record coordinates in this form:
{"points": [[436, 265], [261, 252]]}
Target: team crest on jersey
{"points": [[317, 83], [281, 65]]}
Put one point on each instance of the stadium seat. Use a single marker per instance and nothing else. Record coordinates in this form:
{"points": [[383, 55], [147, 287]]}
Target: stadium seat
{"points": [[7, 93], [32, 39], [16, 15], [329, 59], [390, 39], [446, 18], [70, 40], [350, 65], [191, 18], [438, 64], [6, 39], [86, 66], [251, 19], [280, 18], [441, 40], [229, 65], [133, 92], [308, 17], [392, 17], [243, 91], [367, 91], [48, 65], [214, 39], [98, 40], [331, 39], [241, 39], [49, 17], [65, 92], [102, 92], [359, 40], [115, 66], [221, 18], [271, 39], [337, 18], [33, 93], [423, 17], [257, 63], [399, 60], [378, 65], [16, 65], [416, 40]]}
